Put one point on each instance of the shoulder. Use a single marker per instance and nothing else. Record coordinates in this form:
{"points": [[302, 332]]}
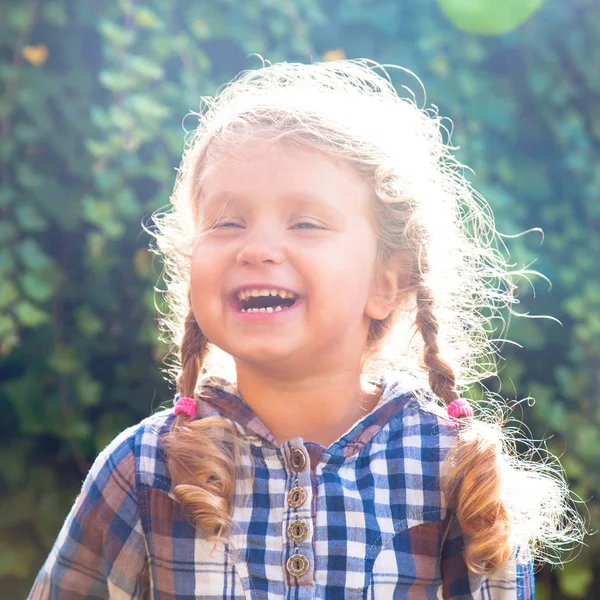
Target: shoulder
{"points": [[422, 421], [101, 549], [412, 446], [434, 416], [136, 456], [426, 434]]}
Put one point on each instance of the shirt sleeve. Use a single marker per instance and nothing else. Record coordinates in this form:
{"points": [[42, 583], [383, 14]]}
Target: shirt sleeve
{"points": [[514, 582], [100, 551]]}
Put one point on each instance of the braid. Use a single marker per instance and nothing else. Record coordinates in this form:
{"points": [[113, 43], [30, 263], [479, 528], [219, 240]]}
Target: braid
{"points": [[202, 454], [442, 379], [194, 347], [472, 483]]}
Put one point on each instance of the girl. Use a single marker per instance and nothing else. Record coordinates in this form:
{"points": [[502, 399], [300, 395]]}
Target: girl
{"points": [[331, 278]]}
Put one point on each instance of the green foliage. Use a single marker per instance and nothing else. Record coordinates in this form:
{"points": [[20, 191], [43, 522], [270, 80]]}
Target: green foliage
{"points": [[488, 17], [90, 117]]}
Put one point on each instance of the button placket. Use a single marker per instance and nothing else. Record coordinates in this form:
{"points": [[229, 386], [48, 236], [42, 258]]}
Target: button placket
{"points": [[296, 496], [297, 460], [297, 531], [297, 564]]}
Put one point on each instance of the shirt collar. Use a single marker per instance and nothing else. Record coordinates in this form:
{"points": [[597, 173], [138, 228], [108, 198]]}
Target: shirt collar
{"points": [[218, 397]]}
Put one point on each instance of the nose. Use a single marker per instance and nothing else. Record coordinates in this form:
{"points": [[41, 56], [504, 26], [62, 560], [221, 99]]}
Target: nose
{"points": [[261, 247]]}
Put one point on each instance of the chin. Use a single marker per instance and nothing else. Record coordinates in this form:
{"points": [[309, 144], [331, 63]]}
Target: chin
{"points": [[258, 355], [265, 359]]}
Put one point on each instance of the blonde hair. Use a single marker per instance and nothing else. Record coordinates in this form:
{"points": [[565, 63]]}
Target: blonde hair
{"points": [[441, 331]]}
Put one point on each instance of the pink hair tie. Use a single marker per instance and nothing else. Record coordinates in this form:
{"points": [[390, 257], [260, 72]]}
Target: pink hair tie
{"points": [[459, 408], [186, 405]]}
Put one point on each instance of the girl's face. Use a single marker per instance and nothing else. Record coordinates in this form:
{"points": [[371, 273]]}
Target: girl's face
{"points": [[283, 273]]}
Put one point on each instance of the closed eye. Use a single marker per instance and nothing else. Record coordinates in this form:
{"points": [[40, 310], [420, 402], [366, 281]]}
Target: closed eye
{"points": [[308, 225], [236, 225], [225, 224]]}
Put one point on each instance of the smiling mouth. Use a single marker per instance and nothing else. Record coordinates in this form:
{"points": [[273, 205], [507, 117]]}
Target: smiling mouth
{"points": [[264, 301]]}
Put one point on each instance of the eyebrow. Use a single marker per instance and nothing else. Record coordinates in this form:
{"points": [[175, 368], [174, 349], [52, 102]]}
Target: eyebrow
{"points": [[220, 199], [303, 198]]}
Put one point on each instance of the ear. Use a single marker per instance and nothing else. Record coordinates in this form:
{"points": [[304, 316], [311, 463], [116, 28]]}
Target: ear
{"points": [[389, 280]]}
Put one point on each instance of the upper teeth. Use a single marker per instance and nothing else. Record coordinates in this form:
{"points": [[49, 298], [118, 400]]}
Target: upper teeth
{"points": [[245, 294]]}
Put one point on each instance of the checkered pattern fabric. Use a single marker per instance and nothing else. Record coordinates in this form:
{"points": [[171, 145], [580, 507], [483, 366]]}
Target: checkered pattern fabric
{"points": [[376, 525]]}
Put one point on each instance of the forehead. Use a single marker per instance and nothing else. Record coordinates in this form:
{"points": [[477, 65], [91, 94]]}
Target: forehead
{"points": [[269, 170]]}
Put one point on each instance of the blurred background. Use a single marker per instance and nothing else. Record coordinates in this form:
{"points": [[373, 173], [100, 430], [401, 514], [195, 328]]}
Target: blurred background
{"points": [[91, 104]]}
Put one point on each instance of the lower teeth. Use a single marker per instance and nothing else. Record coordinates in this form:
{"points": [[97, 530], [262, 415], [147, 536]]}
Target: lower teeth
{"points": [[268, 309]]}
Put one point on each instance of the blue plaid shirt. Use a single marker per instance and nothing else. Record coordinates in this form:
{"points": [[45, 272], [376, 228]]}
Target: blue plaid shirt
{"points": [[361, 519]]}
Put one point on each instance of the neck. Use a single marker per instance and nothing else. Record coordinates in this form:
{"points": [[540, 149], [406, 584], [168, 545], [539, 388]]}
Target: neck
{"points": [[318, 408]]}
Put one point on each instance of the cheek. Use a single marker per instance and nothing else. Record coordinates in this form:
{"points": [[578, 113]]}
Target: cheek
{"points": [[207, 258], [205, 298], [203, 276], [197, 272], [347, 275]]}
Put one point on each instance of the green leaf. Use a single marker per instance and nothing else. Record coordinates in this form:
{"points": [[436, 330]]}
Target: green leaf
{"points": [[147, 19], [99, 117], [30, 315], [117, 35], [55, 13], [16, 510], [117, 81], [29, 218], [17, 556], [127, 203], [22, 394], [7, 263], [110, 425], [87, 322], [145, 68], [36, 287], [96, 211], [7, 194], [102, 214], [76, 429], [574, 580], [32, 256], [146, 106], [488, 17], [527, 332], [122, 118], [96, 243], [28, 178], [9, 339], [27, 134], [8, 231], [63, 360], [8, 293], [88, 390], [6, 109], [7, 325], [200, 28], [20, 16], [97, 148]]}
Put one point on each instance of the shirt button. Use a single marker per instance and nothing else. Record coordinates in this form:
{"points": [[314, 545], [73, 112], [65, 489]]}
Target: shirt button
{"points": [[296, 497], [297, 565], [298, 460], [297, 531]]}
